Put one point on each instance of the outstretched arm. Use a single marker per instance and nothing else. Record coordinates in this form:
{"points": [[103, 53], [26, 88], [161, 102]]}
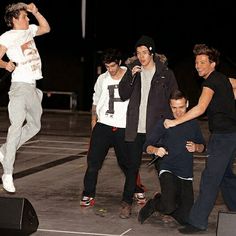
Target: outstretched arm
{"points": [[196, 111]]}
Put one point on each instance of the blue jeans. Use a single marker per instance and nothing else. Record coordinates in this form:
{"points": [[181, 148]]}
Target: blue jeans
{"points": [[217, 175]]}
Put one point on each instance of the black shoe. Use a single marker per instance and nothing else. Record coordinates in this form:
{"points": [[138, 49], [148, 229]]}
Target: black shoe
{"points": [[190, 229], [146, 211]]}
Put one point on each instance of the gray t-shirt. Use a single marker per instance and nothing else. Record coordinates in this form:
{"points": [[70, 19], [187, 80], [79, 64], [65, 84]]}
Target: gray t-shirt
{"points": [[146, 78]]}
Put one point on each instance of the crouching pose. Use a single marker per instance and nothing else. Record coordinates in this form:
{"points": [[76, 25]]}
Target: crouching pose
{"points": [[175, 148]]}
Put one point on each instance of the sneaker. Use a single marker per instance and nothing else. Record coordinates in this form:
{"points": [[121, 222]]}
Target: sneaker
{"points": [[1, 157], [125, 211], [190, 229], [140, 198], [7, 183], [87, 201]]}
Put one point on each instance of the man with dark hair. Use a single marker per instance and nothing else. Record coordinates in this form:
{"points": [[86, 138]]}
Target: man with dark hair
{"points": [[24, 98], [218, 98], [147, 84], [108, 125], [174, 149]]}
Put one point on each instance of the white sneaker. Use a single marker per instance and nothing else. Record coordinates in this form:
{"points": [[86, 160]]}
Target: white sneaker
{"points": [[1, 157], [7, 183], [140, 198]]}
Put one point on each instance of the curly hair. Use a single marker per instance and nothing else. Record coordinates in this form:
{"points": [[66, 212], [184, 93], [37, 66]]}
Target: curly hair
{"points": [[13, 11], [203, 49]]}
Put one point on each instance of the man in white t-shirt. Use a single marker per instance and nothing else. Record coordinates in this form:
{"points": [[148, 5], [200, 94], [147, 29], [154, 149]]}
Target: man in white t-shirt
{"points": [[24, 98]]}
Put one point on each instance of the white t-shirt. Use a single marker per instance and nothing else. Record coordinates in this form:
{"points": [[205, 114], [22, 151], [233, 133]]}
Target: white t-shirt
{"points": [[111, 110], [22, 50]]}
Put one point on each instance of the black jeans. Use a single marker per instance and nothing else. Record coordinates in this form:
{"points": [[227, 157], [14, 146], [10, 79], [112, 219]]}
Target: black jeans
{"points": [[134, 158], [176, 197], [103, 137]]}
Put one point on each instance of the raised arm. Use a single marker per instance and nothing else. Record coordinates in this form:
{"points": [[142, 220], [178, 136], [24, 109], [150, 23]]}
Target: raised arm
{"points": [[43, 24]]}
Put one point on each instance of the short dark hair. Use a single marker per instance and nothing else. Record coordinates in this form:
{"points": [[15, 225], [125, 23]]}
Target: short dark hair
{"points": [[203, 49], [111, 55], [13, 11], [177, 94]]}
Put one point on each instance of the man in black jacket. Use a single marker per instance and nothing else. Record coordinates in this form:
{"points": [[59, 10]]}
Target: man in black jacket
{"points": [[147, 84]]}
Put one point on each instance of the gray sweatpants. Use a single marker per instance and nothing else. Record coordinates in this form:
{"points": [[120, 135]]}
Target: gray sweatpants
{"points": [[25, 112]]}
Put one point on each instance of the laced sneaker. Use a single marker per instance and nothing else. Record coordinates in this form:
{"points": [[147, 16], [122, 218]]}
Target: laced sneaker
{"points": [[140, 198], [87, 201], [7, 183]]}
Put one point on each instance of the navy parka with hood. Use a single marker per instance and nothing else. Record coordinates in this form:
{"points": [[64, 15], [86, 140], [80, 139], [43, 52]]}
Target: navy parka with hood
{"points": [[162, 84]]}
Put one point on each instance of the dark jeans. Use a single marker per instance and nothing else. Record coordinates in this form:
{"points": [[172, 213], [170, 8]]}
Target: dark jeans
{"points": [[103, 137], [134, 159], [217, 175], [176, 197]]}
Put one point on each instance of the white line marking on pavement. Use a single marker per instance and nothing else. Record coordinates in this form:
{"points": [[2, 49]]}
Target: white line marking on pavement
{"points": [[78, 233], [126, 232]]}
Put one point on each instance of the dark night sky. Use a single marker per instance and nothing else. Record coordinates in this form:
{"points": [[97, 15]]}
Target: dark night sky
{"points": [[175, 27]]}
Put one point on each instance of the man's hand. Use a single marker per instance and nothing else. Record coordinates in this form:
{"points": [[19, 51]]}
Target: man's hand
{"points": [[32, 8], [136, 69], [10, 66], [169, 123], [191, 146], [161, 152], [158, 151]]}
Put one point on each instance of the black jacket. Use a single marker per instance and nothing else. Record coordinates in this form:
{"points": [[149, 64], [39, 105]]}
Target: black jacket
{"points": [[163, 83]]}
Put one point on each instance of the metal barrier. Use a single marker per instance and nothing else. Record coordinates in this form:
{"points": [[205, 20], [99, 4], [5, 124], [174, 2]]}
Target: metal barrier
{"points": [[59, 100]]}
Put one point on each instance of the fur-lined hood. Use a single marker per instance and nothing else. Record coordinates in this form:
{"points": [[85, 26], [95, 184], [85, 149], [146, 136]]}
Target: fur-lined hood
{"points": [[133, 61]]}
